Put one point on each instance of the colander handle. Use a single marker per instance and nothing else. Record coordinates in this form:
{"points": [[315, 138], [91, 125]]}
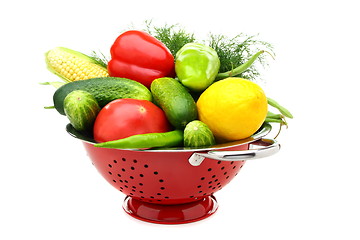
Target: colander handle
{"points": [[268, 148]]}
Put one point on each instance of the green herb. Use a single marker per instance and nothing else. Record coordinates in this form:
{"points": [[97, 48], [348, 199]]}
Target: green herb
{"points": [[172, 36], [232, 52], [236, 51], [100, 58]]}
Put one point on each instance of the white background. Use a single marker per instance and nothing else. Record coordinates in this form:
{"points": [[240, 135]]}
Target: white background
{"points": [[309, 190]]}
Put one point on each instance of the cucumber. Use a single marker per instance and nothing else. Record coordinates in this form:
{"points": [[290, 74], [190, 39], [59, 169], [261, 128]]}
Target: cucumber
{"points": [[81, 108], [198, 134], [175, 101], [103, 89]]}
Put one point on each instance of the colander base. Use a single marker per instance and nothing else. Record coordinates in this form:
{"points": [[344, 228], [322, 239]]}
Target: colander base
{"points": [[171, 214]]}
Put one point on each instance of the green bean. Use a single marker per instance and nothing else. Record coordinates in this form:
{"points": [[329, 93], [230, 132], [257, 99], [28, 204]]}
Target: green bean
{"points": [[147, 140], [240, 69], [273, 115], [282, 109], [277, 120]]}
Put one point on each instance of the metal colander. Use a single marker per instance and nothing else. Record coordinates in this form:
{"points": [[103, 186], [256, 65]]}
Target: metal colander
{"points": [[176, 185]]}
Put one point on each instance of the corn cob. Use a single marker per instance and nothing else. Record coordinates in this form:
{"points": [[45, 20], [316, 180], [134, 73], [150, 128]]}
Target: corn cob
{"points": [[72, 66]]}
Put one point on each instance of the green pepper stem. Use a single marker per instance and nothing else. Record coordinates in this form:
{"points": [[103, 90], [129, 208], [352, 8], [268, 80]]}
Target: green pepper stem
{"points": [[282, 109], [240, 69]]}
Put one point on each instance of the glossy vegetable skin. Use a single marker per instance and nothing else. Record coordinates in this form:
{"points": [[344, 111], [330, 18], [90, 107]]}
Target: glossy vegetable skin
{"points": [[104, 90], [198, 134], [177, 103], [123, 118], [139, 56], [196, 66], [149, 140], [81, 108]]}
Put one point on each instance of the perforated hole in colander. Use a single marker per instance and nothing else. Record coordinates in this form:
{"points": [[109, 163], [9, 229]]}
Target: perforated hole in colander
{"points": [[164, 178], [153, 180], [211, 182], [132, 178]]}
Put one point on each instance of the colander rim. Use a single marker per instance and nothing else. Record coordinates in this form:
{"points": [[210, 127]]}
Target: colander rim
{"points": [[262, 132]]}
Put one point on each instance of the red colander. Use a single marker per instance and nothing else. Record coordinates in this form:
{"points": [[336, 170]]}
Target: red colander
{"points": [[173, 186]]}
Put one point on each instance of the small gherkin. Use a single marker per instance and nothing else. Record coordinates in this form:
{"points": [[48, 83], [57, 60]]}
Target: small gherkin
{"points": [[198, 134], [72, 66]]}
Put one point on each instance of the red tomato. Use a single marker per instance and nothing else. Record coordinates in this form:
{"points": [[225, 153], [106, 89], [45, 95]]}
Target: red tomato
{"points": [[122, 118]]}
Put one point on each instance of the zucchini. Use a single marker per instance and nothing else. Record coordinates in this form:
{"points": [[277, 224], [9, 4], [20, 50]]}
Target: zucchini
{"points": [[174, 99], [104, 90]]}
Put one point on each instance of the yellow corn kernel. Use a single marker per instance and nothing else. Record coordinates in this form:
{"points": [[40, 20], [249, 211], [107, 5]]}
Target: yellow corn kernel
{"points": [[72, 65]]}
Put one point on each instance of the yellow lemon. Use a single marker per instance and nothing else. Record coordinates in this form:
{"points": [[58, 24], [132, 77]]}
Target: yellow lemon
{"points": [[233, 108]]}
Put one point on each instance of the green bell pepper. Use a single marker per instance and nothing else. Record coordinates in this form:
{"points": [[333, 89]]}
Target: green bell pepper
{"points": [[196, 66]]}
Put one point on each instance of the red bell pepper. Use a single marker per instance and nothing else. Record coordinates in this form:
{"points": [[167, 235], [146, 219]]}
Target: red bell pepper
{"points": [[139, 56]]}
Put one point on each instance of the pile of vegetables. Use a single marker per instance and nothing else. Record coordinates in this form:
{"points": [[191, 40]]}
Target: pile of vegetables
{"points": [[145, 95]]}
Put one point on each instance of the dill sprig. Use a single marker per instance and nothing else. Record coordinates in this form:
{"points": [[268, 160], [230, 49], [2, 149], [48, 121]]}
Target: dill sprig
{"points": [[173, 36], [99, 58], [235, 51], [232, 52]]}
